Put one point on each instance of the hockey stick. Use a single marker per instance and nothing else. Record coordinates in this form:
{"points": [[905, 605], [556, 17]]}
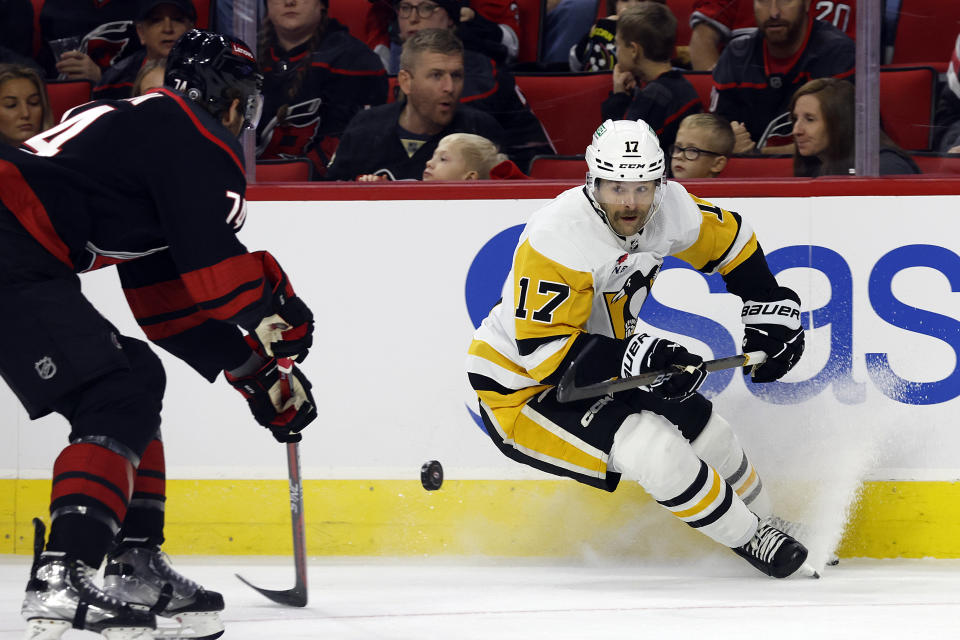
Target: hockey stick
{"points": [[568, 391], [297, 596]]}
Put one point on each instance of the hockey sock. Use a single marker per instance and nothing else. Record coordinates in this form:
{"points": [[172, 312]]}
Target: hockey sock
{"points": [[649, 449], [92, 484], [145, 516], [717, 445]]}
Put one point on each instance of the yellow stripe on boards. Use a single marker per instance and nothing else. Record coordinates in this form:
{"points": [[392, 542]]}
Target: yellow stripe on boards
{"points": [[523, 518]]}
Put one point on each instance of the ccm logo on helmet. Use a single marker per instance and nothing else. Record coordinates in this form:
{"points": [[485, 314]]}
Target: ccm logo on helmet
{"points": [[632, 166], [770, 310]]}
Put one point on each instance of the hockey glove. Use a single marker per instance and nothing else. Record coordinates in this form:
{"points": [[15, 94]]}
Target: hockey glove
{"points": [[646, 353], [263, 391], [288, 333], [772, 325]]}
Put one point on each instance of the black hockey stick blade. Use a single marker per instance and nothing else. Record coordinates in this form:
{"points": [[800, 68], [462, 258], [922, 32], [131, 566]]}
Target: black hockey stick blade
{"points": [[297, 596], [568, 391]]}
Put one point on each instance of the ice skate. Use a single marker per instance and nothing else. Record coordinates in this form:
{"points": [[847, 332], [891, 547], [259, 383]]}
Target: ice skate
{"points": [[61, 595], [775, 553], [798, 531], [141, 573]]}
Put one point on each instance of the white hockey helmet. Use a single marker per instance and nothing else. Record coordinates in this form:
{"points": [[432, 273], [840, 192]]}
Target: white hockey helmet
{"points": [[625, 151]]}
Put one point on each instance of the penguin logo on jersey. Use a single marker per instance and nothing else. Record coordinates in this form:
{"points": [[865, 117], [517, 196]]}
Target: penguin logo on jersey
{"points": [[292, 133], [45, 368], [624, 305]]}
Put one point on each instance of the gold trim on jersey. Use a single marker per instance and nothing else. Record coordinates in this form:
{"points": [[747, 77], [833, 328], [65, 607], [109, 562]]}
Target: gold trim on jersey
{"points": [[533, 435], [722, 240]]}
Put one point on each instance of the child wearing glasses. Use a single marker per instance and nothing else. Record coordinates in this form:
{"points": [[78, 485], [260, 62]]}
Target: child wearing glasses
{"points": [[704, 140]]}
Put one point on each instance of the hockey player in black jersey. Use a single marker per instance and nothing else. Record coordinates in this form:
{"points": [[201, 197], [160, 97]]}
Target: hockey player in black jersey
{"points": [[85, 199]]}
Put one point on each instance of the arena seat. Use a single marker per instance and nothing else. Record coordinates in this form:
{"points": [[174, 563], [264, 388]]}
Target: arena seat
{"points": [[531, 29], [907, 102], [352, 14], [293, 170], [567, 104], [203, 13], [779, 166], [925, 32], [558, 167], [66, 94], [702, 81], [937, 163]]}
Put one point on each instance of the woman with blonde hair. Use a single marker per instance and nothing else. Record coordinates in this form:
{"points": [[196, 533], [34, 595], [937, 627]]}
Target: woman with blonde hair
{"points": [[24, 105], [823, 114]]}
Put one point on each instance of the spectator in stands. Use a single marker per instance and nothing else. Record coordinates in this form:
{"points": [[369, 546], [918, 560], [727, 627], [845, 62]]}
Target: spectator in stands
{"points": [[316, 78], [24, 107], [645, 40], [489, 27], [487, 85], [756, 75], [704, 143], [714, 23], [159, 25], [465, 156], [946, 136], [106, 30], [566, 22], [397, 139], [149, 77], [823, 113], [597, 49]]}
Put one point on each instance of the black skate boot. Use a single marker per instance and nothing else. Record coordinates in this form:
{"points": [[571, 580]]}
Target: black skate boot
{"points": [[799, 532], [773, 552], [138, 571], [61, 595]]}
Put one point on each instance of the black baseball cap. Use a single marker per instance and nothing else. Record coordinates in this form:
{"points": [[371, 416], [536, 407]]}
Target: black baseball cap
{"points": [[146, 6]]}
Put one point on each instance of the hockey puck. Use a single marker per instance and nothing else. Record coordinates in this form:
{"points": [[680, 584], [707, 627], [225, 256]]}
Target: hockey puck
{"points": [[431, 475]]}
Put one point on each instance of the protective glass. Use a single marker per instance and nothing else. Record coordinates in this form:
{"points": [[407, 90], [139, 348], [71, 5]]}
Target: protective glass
{"points": [[252, 110], [690, 153], [425, 10]]}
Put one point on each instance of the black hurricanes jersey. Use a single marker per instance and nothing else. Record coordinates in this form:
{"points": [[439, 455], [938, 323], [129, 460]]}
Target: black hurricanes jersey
{"points": [[328, 85], [164, 210], [105, 26]]}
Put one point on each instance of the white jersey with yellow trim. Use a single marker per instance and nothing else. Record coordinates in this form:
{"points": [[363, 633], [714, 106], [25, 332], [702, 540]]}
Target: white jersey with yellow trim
{"points": [[572, 274]]}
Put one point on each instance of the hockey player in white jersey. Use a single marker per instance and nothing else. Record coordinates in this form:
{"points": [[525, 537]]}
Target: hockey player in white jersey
{"points": [[582, 269]]}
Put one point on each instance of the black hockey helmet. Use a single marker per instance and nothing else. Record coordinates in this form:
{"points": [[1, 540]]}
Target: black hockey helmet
{"points": [[213, 70]]}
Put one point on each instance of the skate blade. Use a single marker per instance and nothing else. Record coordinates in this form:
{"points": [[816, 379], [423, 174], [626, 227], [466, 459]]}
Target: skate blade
{"points": [[127, 633], [46, 629], [204, 625], [807, 571]]}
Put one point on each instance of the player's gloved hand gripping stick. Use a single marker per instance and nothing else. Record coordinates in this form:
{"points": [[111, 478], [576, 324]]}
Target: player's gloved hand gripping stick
{"points": [[568, 391], [297, 596]]}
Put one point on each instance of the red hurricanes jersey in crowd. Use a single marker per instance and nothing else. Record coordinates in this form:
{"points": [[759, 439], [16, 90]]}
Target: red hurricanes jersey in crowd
{"points": [[735, 17], [164, 210]]}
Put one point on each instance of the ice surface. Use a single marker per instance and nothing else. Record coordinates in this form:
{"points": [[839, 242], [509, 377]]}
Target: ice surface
{"points": [[717, 596]]}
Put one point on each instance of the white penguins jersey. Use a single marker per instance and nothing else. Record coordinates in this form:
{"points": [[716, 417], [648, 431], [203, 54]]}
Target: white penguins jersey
{"points": [[572, 274]]}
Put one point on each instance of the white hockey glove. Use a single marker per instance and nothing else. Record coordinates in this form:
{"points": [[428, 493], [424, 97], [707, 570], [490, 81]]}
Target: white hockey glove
{"points": [[772, 325], [646, 353]]}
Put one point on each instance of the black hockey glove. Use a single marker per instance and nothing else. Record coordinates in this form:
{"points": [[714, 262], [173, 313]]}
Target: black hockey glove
{"points": [[285, 417], [646, 353], [288, 332], [773, 326]]}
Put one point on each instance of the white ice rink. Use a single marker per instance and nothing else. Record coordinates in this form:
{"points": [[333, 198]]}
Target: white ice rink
{"points": [[715, 597]]}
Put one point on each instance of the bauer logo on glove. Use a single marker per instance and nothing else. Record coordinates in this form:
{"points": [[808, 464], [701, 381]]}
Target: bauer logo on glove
{"points": [[773, 326]]}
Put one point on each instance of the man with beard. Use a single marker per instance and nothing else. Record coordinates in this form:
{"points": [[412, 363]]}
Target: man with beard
{"points": [[756, 76], [395, 140]]}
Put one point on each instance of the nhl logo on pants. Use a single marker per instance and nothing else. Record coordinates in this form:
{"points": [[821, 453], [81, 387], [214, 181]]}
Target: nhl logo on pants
{"points": [[45, 367]]}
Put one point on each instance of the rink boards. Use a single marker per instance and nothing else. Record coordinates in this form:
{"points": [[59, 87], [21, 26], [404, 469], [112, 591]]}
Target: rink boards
{"points": [[862, 432]]}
